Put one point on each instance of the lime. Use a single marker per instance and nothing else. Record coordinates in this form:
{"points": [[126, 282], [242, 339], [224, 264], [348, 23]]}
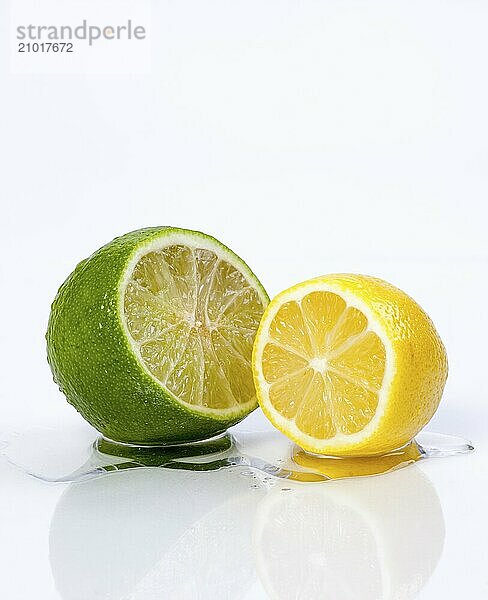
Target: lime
{"points": [[150, 338]]}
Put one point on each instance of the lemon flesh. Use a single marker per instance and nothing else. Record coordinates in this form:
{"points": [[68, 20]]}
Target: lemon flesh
{"points": [[192, 317], [348, 365]]}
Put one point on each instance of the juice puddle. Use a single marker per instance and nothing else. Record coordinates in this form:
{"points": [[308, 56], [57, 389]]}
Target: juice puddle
{"points": [[54, 457]]}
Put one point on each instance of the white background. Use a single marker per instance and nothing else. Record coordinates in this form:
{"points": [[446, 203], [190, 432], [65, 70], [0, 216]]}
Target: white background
{"points": [[309, 136]]}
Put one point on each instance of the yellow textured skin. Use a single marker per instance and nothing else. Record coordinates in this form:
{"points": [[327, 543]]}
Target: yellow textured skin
{"points": [[416, 365]]}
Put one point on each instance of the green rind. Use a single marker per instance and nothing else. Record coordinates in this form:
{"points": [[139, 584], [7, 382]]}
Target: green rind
{"points": [[95, 367]]}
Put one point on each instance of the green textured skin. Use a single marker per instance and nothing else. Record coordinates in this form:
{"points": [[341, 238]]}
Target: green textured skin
{"points": [[95, 367]]}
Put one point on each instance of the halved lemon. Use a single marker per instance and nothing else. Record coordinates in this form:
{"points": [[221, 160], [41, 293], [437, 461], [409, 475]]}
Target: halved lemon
{"points": [[348, 365]]}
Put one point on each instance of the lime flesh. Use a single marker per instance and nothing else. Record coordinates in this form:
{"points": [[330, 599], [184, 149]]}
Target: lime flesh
{"points": [[192, 317]]}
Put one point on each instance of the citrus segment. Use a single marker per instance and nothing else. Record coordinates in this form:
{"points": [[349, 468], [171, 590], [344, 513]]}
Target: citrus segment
{"points": [[321, 311], [288, 329], [280, 363], [286, 395]]}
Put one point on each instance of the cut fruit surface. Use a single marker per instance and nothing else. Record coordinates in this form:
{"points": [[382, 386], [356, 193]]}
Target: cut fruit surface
{"points": [[323, 365], [192, 317], [329, 358]]}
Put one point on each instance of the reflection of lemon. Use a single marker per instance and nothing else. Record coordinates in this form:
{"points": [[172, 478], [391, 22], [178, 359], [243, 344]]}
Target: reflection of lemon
{"points": [[357, 466], [350, 540], [348, 365]]}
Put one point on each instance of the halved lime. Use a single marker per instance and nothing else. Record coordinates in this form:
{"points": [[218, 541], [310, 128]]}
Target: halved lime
{"points": [[151, 337]]}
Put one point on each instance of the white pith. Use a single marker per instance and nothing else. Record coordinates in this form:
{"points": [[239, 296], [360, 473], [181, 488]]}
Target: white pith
{"points": [[193, 241], [339, 440]]}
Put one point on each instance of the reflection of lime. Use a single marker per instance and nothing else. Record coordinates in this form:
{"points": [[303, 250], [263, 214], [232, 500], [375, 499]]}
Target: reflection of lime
{"points": [[350, 539], [147, 534], [151, 337], [157, 456]]}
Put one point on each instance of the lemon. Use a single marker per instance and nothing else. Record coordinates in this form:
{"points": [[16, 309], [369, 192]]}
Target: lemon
{"points": [[150, 338], [348, 365]]}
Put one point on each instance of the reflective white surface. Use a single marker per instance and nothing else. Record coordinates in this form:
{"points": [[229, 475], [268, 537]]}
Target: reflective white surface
{"points": [[211, 535], [148, 533]]}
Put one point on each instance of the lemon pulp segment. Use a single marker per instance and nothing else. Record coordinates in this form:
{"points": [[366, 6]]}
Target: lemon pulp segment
{"points": [[192, 317]]}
